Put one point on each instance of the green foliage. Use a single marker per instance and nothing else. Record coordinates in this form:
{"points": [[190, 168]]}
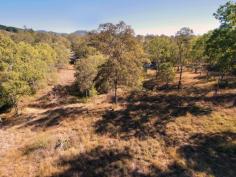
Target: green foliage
{"points": [[81, 47], [125, 56], [226, 14], [167, 72], [9, 28], [197, 53], [24, 36], [221, 45], [62, 54], [183, 39], [24, 64], [198, 47], [162, 49], [86, 72], [13, 88]]}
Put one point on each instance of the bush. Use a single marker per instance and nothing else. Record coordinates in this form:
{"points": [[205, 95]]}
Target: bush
{"points": [[166, 72], [86, 72], [24, 65]]}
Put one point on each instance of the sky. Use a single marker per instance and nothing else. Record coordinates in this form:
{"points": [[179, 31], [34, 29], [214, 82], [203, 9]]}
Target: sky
{"points": [[145, 16]]}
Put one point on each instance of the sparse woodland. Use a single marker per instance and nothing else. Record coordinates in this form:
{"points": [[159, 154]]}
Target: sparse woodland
{"points": [[111, 103]]}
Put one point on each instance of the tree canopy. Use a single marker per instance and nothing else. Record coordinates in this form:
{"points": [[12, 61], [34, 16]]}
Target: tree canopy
{"points": [[26, 62]]}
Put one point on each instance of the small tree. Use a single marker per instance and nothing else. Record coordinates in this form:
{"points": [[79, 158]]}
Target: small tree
{"points": [[13, 89], [221, 45], [183, 40], [161, 49], [86, 72], [167, 73], [198, 56]]}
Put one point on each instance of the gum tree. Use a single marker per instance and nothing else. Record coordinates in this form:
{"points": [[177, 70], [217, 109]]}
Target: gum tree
{"points": [[183, 40], [125, 56]]}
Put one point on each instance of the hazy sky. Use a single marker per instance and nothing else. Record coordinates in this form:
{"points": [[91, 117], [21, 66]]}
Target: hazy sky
{"points": [[145, 16]]}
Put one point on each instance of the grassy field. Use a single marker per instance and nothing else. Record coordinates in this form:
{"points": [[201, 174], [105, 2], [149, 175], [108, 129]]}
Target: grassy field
{"points": [[152, 132]]}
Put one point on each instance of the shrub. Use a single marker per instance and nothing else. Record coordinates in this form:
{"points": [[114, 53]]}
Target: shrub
{"points": [[86, 72], [167, 73]]}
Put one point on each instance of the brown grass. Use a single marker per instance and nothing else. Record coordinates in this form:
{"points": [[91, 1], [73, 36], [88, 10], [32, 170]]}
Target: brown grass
{"points": [[158, 133]]}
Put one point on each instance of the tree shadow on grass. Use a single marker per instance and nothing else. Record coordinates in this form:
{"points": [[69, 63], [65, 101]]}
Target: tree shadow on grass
{"points": [[226, 100], [153, 86], [53, 117], [46, 119], [5, 109], [173, 170], [214, 154], [59, 95], [147, 115], [211, 154], [98, 162]]}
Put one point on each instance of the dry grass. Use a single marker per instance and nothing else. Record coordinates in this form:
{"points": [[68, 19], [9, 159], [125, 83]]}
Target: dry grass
{"points": [[163, 133]]}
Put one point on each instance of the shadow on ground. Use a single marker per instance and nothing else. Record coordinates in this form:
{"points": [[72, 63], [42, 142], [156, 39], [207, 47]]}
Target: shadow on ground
{"points": [[53, 117], [47, 119], [101, 162], [54, 103], [147, 115], [96, 163], [209, 154], [214, 154], [60, 95]]}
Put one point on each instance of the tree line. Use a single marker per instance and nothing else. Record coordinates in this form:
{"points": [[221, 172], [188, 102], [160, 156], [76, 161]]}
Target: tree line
{"points": [[27, 59], [113, 57]]}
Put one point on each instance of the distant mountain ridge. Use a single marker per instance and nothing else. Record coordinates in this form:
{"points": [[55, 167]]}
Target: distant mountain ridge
{"points": [[44, 31], [10, 28], [15, 30], [81, 32]]}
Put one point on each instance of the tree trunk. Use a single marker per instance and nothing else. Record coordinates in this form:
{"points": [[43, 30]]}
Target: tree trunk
{"points": [[222, 77], [157, 70], [180, 77], [16, 109], [217, 87], [207, 75], [116, 92], [156, 73]]}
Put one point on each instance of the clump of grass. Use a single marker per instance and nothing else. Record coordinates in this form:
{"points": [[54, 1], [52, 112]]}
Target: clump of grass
{"points": [[40, 142]]}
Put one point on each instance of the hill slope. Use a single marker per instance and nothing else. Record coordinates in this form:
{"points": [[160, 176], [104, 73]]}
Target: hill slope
{"points": [[154, 134], [9, 28]]}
